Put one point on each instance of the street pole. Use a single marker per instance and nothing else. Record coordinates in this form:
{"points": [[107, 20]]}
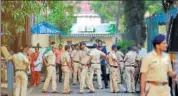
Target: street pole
{"points": [[117, 22]]}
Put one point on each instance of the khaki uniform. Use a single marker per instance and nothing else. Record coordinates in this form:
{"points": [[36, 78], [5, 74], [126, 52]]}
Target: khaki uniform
{"points": [[120, 58], [75, 59], [21, 63], [156, 69], [95, 67], [65, 60], [130, 62], [84, 58], [51, 71], [113, 72]]}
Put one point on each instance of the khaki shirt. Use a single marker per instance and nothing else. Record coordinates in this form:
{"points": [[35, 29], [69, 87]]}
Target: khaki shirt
{"points": [[96, 55], [112, 59], [75, 55], [155, 67], [20, 61], [50, 57], [84, 56], [65, 58], [120, 56], [130, 58]]}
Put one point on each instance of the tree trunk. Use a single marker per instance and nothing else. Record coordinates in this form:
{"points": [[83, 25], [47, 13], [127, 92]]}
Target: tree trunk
{"points": [[134, 17]]}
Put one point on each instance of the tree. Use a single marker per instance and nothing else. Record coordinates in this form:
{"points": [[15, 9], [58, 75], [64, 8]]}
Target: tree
{"points": [[61, 15], [16, 19], [106, 9], [108, 12], [153, 7], [131, 15], [134, 19]]}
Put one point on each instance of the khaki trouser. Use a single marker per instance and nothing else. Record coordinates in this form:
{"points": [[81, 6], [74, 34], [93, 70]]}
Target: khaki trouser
{"points": [[76, 72], [121, 66], [21, 79], [83, 76], [95, 68], [153, 90], [51, 74], [113, 79], [86, 79], [119, 75], [121, 71], [130, 80], [66, 71]]}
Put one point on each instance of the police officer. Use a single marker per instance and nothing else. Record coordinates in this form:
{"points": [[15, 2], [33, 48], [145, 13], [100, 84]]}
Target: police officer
{"points": [[21, 64], [120, 58], [49, 59], [155, 69], [75, 55], [141, 52], [103, 63], [113, 62], [84, 64], [95, 55], [66, 68], [130, 59]]}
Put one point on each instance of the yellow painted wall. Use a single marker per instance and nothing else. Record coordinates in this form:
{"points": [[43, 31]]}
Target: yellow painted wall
{"points": [[109, 41], [43, 40]]}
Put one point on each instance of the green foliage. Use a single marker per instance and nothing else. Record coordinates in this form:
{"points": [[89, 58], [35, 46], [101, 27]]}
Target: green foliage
{"points": [[106, 9], [14, 14], [124, 45], [134, 17], [61, 15], [154, 6]]}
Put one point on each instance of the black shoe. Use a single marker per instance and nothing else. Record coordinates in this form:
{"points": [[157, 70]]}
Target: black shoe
{"points": [[91, 91], [55, 92], [106, 87], [117, 92], [80, 93], [86, 88], [126, 92], [60, 81], [43, 81]]}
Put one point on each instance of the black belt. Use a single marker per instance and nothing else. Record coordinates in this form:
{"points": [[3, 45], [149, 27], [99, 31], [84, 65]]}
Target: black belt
{"points": [[76, 61], [113, 66], [130, 66]]}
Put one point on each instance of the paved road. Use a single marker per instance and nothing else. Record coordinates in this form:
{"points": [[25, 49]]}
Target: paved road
{"points": [[36, 91]]}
